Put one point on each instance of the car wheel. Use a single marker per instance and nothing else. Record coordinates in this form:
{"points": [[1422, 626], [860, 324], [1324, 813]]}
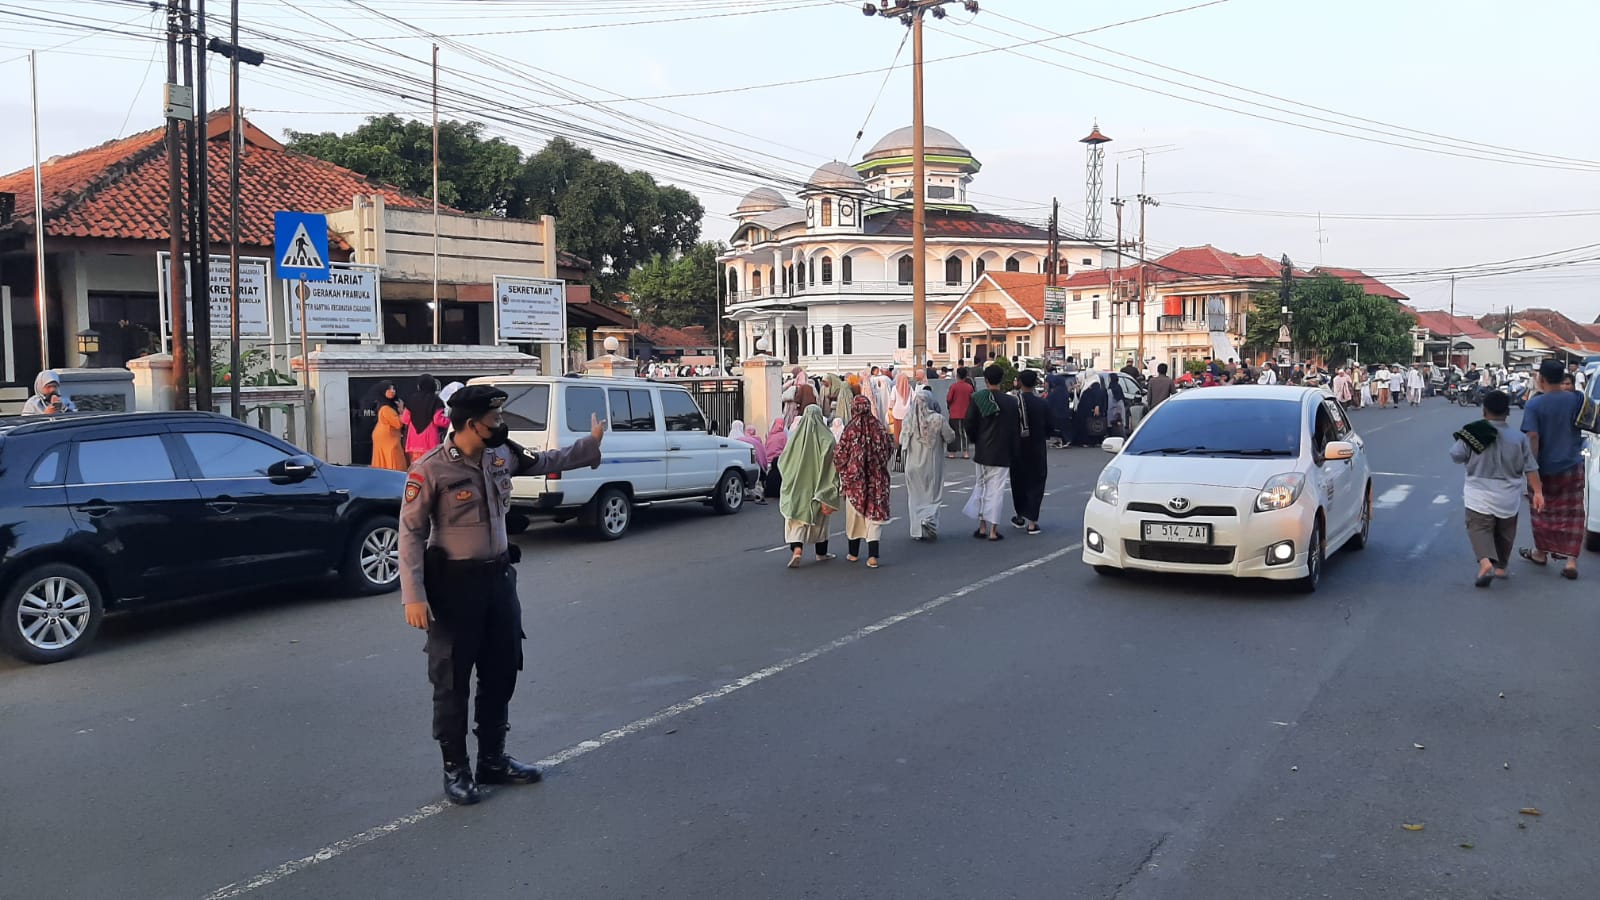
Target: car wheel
{"points": [[1591, 540], [613, 513], [729, 498], [516, 524], [372, 564], [1358, 541], [51, 613], [1316, 556]]}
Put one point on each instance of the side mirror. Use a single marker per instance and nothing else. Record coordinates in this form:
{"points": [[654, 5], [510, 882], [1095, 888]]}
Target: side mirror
{"points": [[1339, 450], [1113, 444], [292, 470]]}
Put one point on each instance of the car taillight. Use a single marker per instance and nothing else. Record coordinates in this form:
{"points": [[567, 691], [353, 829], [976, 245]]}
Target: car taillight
{"points": [[553, 476]]}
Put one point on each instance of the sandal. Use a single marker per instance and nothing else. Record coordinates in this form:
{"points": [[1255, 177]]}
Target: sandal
{"points": [[1483, 581], [827, 556], [794, 562], [980, 534], [1527, 554], [997, 536], [851, 558], [1569, 574], [872, 563]]}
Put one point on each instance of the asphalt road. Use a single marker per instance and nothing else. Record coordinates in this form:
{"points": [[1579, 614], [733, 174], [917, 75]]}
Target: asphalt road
{"points": [[971, 720]]}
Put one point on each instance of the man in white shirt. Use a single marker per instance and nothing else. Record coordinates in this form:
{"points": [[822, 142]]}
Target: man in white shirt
{"points": [[1269, 374], [1397, 383], [1414, 383]]}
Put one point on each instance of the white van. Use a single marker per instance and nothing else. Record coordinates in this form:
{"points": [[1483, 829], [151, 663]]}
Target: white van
{"points": [[656, 449]]}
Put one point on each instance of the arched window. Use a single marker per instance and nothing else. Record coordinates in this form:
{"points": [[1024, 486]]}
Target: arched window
{"points": [[827, 340], [902, 337], [952, 270], [905, 270], [846, 269], [811, 273], [827, 270], [977, 270], [733, 281], [827, 212], [845, 340], [805, 343], [794, 345], [1013, 265], [755, 282]]}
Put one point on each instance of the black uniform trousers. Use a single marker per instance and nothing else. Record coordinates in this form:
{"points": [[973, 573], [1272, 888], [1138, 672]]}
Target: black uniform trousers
{"points": [[477, 625]]}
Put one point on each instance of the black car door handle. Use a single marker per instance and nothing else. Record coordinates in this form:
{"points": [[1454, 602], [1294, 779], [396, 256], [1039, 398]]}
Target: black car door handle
{"points": [[221, 506], [96, 510]]}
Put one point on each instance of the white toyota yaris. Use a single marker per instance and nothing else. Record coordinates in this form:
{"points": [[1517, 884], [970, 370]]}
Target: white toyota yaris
{"points": [[1249, 481]]}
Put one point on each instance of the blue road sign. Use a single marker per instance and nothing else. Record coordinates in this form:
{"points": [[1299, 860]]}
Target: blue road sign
{"points": [[301, 242]]}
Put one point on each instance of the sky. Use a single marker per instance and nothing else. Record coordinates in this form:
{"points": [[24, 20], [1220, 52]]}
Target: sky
{"points": [[1429, 134]]}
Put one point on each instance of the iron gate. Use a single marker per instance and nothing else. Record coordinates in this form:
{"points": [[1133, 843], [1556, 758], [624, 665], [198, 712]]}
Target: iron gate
{"points": [[721, 399]]}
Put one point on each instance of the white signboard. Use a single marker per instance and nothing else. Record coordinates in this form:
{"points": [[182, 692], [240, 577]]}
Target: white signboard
{"points": [[346, 304], [530, 310], [254, 321]]}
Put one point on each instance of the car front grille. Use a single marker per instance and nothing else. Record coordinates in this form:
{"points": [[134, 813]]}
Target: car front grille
{"points": [[1193, 554], [1163, 510]]}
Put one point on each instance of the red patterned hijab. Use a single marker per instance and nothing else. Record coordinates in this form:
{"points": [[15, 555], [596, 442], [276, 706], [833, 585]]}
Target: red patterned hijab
{"points": [[862, 458]]}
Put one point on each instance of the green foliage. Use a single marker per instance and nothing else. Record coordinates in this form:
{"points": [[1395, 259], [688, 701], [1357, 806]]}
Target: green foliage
{"points": [[1009, 382], [1330, 314], [677, 291], [476, 174], [254, 367], [616, 218], [1195, 366]]}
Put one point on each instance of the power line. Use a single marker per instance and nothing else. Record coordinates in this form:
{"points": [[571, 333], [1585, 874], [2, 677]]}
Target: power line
{"points": [[1398, 217]]}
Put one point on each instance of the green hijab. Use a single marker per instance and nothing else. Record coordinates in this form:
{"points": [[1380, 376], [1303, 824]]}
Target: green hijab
{"points": [[806, 466], [839, 392]]}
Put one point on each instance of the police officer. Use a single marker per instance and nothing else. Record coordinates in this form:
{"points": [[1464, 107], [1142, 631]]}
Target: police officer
{"points": [[457, 580]]}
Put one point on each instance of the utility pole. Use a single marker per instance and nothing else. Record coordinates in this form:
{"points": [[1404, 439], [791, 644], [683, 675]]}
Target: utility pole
{"points": [[1145, 202], [236, 55], [1450, 354], [38, 219], [1505, 341], [1054, 265], [1285, 290], [175, 292], [438, 308], [1116, 296], [194, 72], [910, 13]]}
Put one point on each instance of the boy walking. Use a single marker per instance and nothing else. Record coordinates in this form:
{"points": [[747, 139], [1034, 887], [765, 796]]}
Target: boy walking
{"points": [[1499, 462]]}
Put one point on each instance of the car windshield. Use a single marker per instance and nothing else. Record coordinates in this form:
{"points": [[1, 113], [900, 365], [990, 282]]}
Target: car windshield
{"points": [[1221, 427]]}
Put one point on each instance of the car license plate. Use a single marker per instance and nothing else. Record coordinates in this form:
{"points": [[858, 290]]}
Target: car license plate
{"points": [[1177, 533]]}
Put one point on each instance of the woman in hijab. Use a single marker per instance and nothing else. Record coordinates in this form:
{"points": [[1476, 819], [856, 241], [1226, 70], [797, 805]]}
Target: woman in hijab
{"points": [[1058, 397], [777, 439], [882, 387], [862, 458], [922, 440], [742, 432], [1117, 410], [1031, 466], [387, 450], [425, 418], [810, 486], [1089, 422], [840, 394], [899, 403]]}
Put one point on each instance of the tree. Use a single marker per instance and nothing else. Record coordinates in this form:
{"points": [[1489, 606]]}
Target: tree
{"points": [[677, 291], [1328, 316], [476, 174], [616, 218]]}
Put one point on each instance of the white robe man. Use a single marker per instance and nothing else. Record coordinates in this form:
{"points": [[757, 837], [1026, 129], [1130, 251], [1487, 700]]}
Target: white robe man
{"points": [[1414, 383]]}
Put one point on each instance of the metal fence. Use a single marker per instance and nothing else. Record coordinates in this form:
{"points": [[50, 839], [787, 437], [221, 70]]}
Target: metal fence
{"points": [[721, 399]]}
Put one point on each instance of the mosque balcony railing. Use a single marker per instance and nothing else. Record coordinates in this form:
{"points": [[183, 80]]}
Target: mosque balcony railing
{"points": [[849, 288]]}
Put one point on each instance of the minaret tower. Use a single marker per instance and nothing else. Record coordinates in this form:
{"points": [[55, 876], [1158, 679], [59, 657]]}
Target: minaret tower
{"points": [[1095, 170]]}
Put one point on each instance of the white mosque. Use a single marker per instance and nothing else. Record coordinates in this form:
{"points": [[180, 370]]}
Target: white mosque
{"points": [[827, 279]]}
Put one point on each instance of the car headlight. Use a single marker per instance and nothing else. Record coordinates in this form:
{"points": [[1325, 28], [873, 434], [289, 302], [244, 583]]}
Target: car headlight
{"points": [[1280, 492], [1105, 490]]}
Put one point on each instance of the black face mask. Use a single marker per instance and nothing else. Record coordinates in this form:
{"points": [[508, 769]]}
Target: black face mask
{"points": [[497, 436]]}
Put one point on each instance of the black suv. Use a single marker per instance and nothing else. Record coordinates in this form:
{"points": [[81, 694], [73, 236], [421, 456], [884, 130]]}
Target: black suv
{"points": [[97, 510]]}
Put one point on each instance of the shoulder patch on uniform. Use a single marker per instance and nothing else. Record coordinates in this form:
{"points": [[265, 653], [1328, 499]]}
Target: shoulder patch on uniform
{"points": [[499, 462], [413, 488]]}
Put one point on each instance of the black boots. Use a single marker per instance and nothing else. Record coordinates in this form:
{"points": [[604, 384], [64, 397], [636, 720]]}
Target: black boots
{"points": [[459, 788], [494, 766]]}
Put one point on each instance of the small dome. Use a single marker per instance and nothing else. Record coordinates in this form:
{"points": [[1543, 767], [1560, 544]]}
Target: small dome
{"points": [[898, 143], [835, 175], [760, 200]]}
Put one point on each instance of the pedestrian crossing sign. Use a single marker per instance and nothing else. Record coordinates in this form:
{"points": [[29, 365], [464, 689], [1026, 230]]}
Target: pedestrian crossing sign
{"points": [[301, 244]]}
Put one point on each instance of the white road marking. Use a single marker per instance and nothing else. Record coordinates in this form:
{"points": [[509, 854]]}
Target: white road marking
{"points": [[1393, 496], [1427, 540], [337, 848], [1441, 500]]}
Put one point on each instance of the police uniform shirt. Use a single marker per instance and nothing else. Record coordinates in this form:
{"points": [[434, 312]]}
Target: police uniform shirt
{"points": [[460, 506]]}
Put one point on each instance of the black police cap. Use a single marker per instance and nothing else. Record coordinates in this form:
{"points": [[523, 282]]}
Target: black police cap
{"points": [[477, 399]]}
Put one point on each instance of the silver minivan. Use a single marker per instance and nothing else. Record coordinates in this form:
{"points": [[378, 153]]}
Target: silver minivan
{"points": [[657, 449]]}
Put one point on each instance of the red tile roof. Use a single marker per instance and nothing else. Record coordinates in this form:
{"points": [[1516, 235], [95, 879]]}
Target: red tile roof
{"points": [[1556, 323], [1439, 322], [1211, 262], [1026, 290], [118, 190], [692, 338], [1371, 285]]}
